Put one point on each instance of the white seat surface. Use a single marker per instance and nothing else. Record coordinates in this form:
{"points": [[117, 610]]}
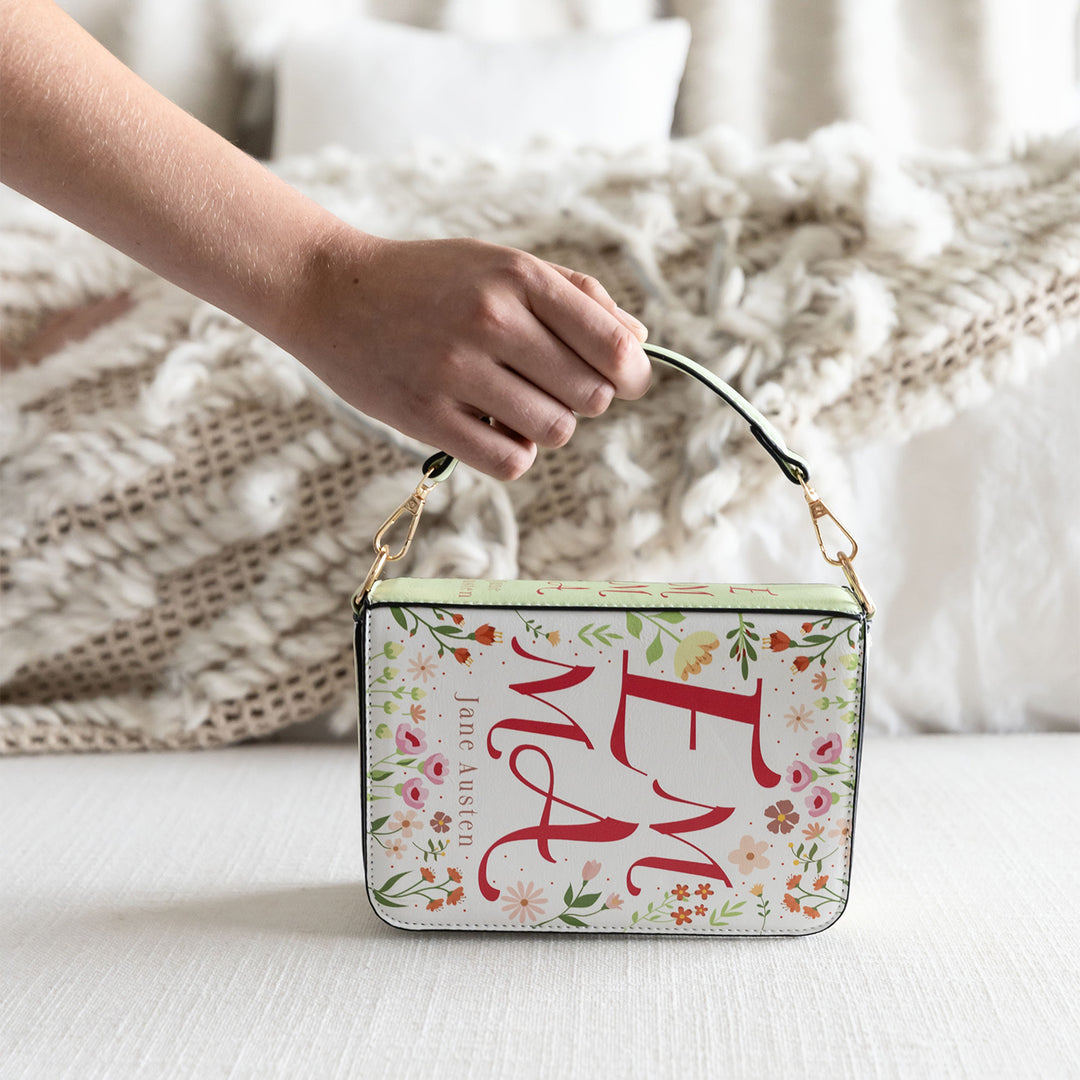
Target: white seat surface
{"points": [[203, 915]]}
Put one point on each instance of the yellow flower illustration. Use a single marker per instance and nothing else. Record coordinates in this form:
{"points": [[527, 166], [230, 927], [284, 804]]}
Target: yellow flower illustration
{"points": [[694, 651]]}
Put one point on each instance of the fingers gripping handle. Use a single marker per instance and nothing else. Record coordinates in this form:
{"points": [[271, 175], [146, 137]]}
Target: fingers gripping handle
{"points": [[440, 465]]}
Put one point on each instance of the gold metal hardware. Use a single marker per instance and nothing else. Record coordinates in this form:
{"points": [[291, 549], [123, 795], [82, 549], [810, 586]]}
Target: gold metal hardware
{"points": [[857, 586], [818, 511], [413, 506]]}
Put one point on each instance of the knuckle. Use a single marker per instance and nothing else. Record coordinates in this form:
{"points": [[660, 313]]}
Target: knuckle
{"points": [[560, 429], [598, 399], [521, 267], [514, 463], [625, 358], [488, 311], [454, 365]]}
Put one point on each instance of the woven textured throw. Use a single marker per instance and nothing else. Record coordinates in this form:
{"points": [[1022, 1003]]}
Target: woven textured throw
{"points": [[185, 513]]}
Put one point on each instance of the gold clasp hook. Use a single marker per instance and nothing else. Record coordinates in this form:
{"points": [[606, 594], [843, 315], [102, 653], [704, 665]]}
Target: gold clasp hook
{"points": [[414, 507], [819, 510]]}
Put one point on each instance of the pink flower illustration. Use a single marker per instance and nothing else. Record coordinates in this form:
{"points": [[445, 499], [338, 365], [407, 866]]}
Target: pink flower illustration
{"points": [[826, 748], [525, 900], [406, 821], [396, 848], [818, 801], [614, 901], [441, 822], [798, 775], [422, 668], [409, 739], [590, 870], [414, 793], [435, 768], [798, 719], [416, 711], [749, 856]]}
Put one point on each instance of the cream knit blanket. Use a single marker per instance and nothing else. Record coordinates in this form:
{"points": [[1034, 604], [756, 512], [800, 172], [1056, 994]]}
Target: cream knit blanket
{"points": [[185, 515]]}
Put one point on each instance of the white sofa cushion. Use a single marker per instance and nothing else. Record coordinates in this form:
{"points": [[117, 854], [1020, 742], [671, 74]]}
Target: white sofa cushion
{"points": [[378, 87]]}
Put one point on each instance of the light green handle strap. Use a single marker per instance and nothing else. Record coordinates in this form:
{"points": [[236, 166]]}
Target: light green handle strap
{"points": [[440, 465]]}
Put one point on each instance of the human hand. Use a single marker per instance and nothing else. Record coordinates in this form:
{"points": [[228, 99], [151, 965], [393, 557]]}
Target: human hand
{"points": [[434, 336]]}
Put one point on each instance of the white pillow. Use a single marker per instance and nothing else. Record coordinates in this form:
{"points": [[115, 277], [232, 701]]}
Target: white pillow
{"points": [[379, 87]]}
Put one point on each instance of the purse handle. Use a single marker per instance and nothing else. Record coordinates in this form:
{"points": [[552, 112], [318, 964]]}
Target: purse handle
{"points": [[440, 465]]}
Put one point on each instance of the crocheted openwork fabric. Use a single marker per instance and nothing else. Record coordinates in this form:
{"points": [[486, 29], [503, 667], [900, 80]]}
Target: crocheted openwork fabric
{"points": [[185, 514]]}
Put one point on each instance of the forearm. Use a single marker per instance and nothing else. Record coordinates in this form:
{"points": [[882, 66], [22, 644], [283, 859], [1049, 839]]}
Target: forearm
{"points": [[83, 135]]}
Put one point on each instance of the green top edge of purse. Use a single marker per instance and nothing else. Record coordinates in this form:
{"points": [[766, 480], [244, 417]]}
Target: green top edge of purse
{"points": [[467, 592]]}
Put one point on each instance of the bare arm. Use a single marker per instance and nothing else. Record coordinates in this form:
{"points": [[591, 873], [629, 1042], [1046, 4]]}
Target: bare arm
{"points": [[428, 336]]}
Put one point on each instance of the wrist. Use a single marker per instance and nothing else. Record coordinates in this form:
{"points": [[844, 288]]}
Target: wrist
{"points": [[329, 267]]}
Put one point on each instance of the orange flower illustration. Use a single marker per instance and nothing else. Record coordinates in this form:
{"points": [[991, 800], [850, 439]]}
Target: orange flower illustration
{"points": [[682, 892], [456, 896], [757, 890], [815, 831], [462, 656], [453, 874], [700, 909], [704, 890], [427, 875], [819, 681], [682, 915], [811, 913], [458, 618], [434, 905], [791, 903], [553, 637], [801, 663], [821, 882], [793, 881], [778, 641], [487, 634]]}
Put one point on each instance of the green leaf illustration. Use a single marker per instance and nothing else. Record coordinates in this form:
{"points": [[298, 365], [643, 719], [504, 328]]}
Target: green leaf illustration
{"points": [[385, 902], [379, 775], [655, 650], [570, 920], [633, 624], [587, 900], [568, 896], [671, 616], [378, 823], [399, 617], [391, 881]]}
